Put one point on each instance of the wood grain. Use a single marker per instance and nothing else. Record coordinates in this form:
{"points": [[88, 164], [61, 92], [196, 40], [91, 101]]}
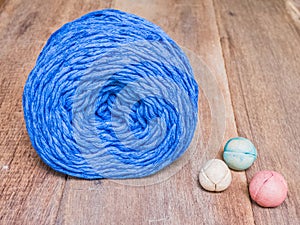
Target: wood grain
{"points": [[293, 8], [178, 200], [251, 50], [30, 191], [261, 51]]}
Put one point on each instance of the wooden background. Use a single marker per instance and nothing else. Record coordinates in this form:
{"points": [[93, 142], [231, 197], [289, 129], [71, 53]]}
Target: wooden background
{"points": [[252, 49]]}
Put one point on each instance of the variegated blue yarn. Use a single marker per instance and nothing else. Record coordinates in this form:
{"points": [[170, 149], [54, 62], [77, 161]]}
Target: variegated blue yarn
{"points": [[110, 96]]}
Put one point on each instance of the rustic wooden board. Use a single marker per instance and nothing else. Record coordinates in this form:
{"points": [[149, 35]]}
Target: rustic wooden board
{"points": [[178, 200], [261, 47], [265, 110], [30, 192]]}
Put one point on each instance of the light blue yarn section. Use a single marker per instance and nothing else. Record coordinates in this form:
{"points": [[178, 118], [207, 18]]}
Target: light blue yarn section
{"points": [[111, 96]]}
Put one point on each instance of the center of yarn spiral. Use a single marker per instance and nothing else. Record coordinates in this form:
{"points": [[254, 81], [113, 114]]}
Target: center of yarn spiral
{"points": [[110, 96]]}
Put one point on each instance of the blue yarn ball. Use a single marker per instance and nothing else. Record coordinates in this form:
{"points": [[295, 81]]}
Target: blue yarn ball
{"points": [[111, 96], [239, 153]]}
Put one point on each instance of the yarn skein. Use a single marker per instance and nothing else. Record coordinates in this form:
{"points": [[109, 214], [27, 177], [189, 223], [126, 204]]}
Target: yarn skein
{"points": [[111, 96]]}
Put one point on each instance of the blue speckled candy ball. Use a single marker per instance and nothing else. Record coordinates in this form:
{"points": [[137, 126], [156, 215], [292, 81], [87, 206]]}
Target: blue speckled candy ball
{"points": [[239, 153]]}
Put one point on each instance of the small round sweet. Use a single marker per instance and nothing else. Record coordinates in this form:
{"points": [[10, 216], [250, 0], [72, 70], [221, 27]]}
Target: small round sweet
{"points": [[215, 176], [268, 188], [239, 153]]}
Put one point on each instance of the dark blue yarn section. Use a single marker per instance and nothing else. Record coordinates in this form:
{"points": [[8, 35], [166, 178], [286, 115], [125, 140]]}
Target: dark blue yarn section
{"points": [[111, 96]]}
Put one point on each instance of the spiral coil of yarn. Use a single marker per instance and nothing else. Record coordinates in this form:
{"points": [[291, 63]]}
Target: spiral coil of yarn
{"points": [[110, 96]]}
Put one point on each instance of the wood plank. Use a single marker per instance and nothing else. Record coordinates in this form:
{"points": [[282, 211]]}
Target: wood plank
{"points": [[261, 49], [179, 199], [30, 191]]}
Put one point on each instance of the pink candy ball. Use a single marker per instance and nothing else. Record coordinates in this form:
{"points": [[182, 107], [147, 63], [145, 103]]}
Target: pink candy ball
{"points": [[268, 188]]}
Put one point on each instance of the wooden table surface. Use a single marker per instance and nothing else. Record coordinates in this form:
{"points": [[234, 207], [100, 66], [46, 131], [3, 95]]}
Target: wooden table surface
{"points": [[252, 49]]}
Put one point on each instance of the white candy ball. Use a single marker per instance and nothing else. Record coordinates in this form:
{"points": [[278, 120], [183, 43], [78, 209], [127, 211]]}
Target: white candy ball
{"points": [[215, 176]]}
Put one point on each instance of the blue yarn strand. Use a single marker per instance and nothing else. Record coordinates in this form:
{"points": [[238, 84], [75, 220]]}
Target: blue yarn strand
{"points": [[111, 96]]}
